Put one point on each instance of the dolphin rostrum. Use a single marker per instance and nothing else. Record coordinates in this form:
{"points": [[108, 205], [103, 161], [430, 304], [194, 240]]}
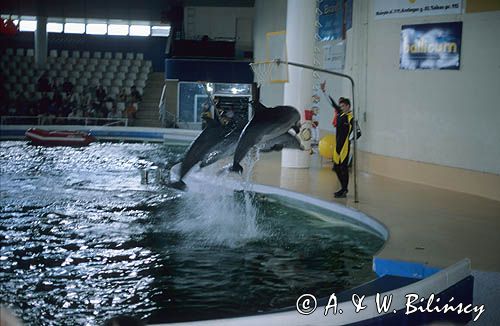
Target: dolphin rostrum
{"points": [[267, 124]]}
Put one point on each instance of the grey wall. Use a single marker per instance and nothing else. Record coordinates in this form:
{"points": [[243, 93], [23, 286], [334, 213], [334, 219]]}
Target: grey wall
{"points": [[449, 118], [270, 16]]}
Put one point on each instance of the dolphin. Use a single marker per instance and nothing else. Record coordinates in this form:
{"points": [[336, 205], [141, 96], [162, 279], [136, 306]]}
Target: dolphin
{"points": [[213, 134], [266, 125]]}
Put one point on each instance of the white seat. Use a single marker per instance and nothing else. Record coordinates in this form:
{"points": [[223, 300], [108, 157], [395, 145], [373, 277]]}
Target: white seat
{"points": [[75, 54], [123, 69], [109, 75], [114, 62], [106, 82], [145, 69], [118, 82], [72, 80], [38, 95], [72, 61], [75, 74], [119, 55], [18, 87], [148, 63], [20, 52], [12, 79], [31, 88], [97, 55], [53, 53], [56, 66], [104, 62], [86, 74], [64, 74], [79, 89], [90, 67], [83, 61], [64, 54], [126, 62], [30, 72], [129, 55], [59, 80], [120, 75], [134, 69], [68, 66], [108, 55], [129, 83], [10, 51], [143, 76], [113, 91], [18, 72], [112, 69], [140, 83], [120, 106], [139, 56], [94, 82], [101, 68], [83, 81], [131, 76], [50, 95], [79, 67], [94, 61], [16, 58], [97, 74], [137, 62], [25, 80], [30, 52], [86, 54]]}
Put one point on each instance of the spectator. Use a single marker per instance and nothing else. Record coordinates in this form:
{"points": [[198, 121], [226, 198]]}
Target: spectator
{"points": [[130, 112], [44, 83], [122, 96], [114, 113], [100, 93], [67, 87], [135, 95]]}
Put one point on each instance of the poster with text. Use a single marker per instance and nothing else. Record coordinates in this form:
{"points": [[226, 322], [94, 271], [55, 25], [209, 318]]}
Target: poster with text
{"points": [[431, 46], [384, 9]]}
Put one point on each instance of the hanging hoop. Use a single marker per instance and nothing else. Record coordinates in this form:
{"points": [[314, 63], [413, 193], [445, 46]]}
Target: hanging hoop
{"points": [[263, 71]]}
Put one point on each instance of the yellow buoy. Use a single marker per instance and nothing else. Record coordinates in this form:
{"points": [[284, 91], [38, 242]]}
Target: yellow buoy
{"points": [[326, 146]]}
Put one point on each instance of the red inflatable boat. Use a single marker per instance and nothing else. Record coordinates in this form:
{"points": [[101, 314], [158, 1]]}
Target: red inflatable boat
{"points": [[59, 138]]}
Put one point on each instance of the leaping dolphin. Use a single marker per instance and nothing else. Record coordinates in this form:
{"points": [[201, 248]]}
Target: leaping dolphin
{"points": [[266, 125]]}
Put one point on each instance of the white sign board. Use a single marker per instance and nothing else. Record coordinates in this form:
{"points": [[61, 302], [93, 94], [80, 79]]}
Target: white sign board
{"points": [[334, 56], [384, 9]]}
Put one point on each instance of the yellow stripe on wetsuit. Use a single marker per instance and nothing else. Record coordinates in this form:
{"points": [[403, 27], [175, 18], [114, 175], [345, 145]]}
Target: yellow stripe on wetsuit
{"points": [[340, 157]]}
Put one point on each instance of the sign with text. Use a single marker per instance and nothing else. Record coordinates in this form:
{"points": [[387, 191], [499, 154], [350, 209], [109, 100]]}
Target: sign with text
{"points": [[431, 46], [384, 9], [331, 20]]}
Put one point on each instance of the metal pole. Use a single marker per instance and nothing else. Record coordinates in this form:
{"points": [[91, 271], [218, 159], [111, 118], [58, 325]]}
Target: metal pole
{"points": [[355, 125]]}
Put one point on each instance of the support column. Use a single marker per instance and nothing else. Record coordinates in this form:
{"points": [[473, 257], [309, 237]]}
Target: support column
{"points": [[300, 29], [41, 42]]}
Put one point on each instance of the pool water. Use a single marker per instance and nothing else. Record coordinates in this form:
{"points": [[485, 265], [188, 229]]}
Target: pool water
{"points": [[83, 240]]}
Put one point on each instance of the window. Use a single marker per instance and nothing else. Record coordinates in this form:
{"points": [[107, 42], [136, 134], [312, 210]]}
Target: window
{"points": [[160, 31], [74, 28], [140, 30], [27, 26], [54, 27], [97, 29], [115, 29]]}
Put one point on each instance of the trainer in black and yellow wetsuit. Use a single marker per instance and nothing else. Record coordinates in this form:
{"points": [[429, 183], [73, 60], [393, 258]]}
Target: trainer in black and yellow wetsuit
{"points": [[342, 147]]}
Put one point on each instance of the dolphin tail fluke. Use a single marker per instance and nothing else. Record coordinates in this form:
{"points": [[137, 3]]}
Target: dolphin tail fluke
{"points": [[180, 185], [236, 168]]}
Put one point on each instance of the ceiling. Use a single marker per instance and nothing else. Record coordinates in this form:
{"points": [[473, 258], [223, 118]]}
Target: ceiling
{"points": [[151, 10]]}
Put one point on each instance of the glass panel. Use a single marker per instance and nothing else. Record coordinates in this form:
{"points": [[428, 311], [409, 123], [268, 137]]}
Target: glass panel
{"points": [[27, 25], [54, 27], [191, 98], [160, 31], [74, 28], [140, 30], [97, 29], [117, 29]]}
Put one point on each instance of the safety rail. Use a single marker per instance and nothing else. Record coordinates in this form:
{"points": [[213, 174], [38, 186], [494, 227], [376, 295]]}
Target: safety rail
{"points": [[43, 120]]}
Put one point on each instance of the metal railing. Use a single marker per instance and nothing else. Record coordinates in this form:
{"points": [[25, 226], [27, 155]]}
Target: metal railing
{"points": [[41, 120]]}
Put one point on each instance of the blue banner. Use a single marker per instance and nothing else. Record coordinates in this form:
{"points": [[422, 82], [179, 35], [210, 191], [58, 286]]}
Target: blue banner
{"points": [[431, 46], [331, 20]]}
